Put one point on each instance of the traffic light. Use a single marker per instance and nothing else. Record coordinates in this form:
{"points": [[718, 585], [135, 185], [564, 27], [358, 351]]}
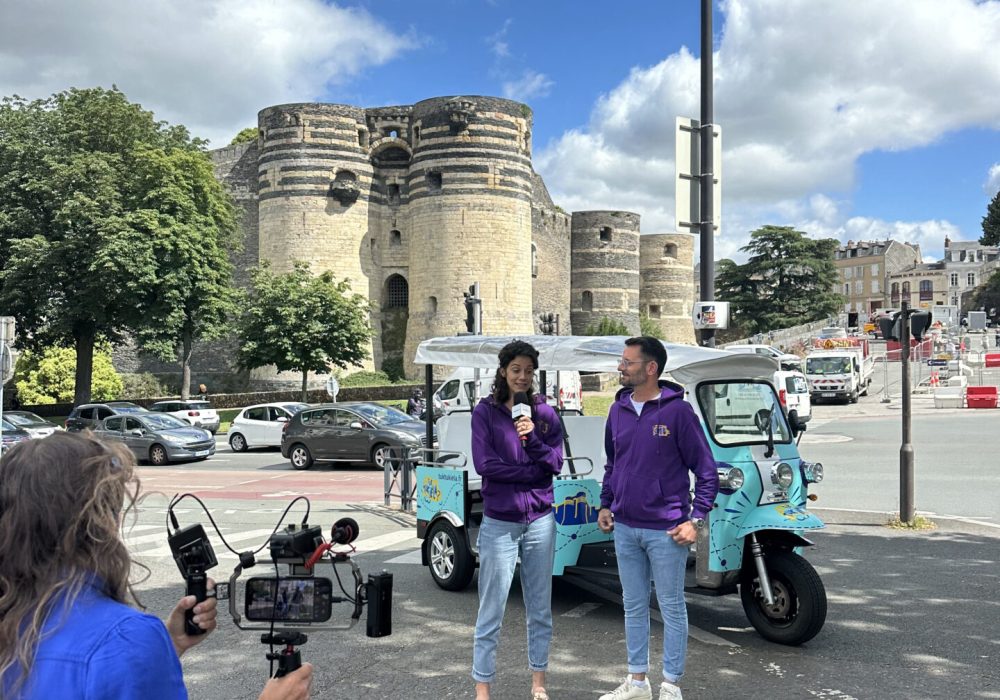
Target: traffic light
{"points": [[889, 326], [919, 322]]}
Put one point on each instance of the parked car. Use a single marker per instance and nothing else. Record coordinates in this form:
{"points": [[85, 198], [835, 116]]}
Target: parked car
{"points": [[10, 435], [158, 437], [261, 425], [356, 431], [34, 425], [194, 412], [90, 415]]}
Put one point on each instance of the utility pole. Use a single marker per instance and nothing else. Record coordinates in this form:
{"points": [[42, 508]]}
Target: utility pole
{"points": [[906, 507], [706, 176]]}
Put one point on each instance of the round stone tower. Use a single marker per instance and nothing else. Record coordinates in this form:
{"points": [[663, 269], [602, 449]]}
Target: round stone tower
{"points": [[605, 269], [315, 179], [666, 292], [468, 194]]}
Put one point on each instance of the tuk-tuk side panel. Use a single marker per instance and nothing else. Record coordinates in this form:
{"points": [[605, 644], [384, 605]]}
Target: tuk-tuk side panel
{"points": [[576, 504], [441, 489]]}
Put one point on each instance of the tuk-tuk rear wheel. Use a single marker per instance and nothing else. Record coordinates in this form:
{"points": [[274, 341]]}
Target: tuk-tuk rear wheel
{"points": [[451, 562], [799, 609]]}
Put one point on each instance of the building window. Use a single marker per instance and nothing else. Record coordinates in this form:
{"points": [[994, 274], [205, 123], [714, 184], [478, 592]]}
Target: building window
{"points": [[670, 250], [859, 288], [534, 260], [362, 138], [848, 273], [397, 292], [395, 237], [954, 279], [906, 289], [606, 234], [433, 304], [393, 192], [654, 310], [926, 290], [859, 271], [416, 135], [972, 279], [434, 181], [588, 301], [847, 289], [875, 286], [875, 270]]}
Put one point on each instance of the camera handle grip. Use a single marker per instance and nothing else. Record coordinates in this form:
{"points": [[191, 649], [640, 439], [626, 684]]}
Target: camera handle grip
{"points": [[288, 659], [197, 585]]}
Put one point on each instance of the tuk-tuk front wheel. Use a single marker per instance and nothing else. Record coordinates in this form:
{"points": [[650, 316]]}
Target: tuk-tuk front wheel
{"points": [[799, 608], [451, 562]]}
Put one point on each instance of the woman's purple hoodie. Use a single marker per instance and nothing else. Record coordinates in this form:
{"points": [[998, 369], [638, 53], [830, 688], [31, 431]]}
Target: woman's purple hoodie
{"points": [[646, 482], [517, 481]]}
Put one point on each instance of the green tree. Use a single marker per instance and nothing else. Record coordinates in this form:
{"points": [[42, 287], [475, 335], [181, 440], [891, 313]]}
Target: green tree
{"points": [[81, 225], [192, 298], [788, 279], [607, 326], [49, 377], [987, 296], [648, 326], [300, 322], [991, 223], [245, 136]]}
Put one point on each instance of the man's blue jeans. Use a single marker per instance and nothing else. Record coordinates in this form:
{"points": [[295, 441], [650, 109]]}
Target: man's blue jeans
{"points": [[500, 543], [645, 555]]}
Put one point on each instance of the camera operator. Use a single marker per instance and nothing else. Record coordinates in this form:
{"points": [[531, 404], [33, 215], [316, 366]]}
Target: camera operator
{"points": [[67, 625]]}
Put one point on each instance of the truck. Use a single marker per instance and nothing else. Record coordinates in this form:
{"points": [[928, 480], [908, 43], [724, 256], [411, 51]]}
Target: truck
{"points": [[839, 369], [459, 392], [945, 316], [977, 321]]}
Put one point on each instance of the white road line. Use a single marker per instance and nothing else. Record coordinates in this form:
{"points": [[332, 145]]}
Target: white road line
{"points": [[693, 632], [386, 540], [581, 610], [220, 551]]}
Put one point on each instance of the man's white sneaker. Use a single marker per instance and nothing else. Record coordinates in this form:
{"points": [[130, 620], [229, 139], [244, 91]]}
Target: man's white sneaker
{"points": [[669, 691], [630, 691]]}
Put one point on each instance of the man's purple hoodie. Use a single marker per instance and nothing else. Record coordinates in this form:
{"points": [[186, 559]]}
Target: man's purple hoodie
{"points": [[646, 482], [517, 481]]}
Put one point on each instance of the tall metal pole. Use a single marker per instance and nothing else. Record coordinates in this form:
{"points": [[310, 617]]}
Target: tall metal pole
{"points": [[706, 176], [906, 508]]}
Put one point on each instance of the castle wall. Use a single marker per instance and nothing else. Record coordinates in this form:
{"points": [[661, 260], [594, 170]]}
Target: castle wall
{"points": [[605, 266], [666, 294], [550, 237], [468, 192]]}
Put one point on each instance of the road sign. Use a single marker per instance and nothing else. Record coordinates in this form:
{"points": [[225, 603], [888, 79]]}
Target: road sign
{"points": [[687, 162], [710, 314], [6, 353], [332, 387]]}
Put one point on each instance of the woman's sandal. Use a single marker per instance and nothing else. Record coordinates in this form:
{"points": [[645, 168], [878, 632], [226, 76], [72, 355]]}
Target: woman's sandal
{"points": [[539, 694]]}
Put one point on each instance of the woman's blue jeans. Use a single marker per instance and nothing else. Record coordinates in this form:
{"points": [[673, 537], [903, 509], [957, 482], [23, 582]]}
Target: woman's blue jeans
{"points": [[645, 555], [500, 543]]}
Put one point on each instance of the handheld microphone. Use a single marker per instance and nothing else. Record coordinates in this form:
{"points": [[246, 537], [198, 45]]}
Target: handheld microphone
{"points": [[521, 409]]}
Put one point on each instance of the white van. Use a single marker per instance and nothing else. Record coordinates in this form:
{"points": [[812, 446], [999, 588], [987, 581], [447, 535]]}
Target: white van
{"points": [[458, 391], [793, 392], [788, 361]]}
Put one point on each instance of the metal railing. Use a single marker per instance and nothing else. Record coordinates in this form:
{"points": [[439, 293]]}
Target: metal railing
{"points": [[399, 473]]}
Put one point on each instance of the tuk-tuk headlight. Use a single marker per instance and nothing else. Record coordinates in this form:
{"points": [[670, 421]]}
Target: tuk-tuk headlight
{"points": [[731, 478], [781, 475], [812, 472]]}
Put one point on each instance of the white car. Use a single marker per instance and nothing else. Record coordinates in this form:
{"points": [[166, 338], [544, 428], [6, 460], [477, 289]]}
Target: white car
{"points": [[194, 412], [261, 425], [793, 392]]}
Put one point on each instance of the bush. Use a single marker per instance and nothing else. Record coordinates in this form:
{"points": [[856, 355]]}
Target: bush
{"points": [[51, 377], [393, 367], [648, 326], [365, 378], [607, 327], [142, 386]]}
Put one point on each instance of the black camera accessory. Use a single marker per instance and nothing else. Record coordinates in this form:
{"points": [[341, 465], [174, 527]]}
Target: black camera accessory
{"points": [[296, 543], [289, 659], [379, 590], [194, 555], [345, 531]]}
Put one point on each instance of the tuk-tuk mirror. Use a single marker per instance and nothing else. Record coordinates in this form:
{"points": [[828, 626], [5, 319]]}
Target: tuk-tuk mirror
{"points": [[798, 425]]}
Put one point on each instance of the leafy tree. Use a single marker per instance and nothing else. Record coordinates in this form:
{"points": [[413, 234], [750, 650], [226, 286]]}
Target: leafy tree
{"points": [[192, 298], [788, 279], [49, 377], [648, 326], [987, 296], [83, 220], [991, 223], [297, 321], [245, 136], [607, 326]]}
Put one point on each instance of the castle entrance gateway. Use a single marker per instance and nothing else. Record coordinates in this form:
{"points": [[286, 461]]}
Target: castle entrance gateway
{"points": [[395, 316]]}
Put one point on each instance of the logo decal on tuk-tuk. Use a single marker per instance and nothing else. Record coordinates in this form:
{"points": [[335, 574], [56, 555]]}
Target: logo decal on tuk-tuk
{"points": [[661, 431], [575, 510], [793, 513], [430, 490]]}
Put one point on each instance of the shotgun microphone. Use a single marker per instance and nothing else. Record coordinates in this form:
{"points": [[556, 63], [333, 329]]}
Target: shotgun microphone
{"points": [[521, 409]]}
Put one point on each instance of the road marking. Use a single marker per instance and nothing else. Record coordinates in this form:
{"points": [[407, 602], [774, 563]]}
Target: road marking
{"points": [[581, 610], [824, 438], [413, 557], [693, 632], [386, 540], [970, 519], [221, 552]]}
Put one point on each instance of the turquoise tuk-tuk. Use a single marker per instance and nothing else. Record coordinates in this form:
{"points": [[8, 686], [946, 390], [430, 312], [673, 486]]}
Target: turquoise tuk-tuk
{"points": [[754, 537]]}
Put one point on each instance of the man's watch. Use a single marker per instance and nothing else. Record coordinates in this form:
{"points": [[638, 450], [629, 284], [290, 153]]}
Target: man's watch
{"points": [[698, 523]]}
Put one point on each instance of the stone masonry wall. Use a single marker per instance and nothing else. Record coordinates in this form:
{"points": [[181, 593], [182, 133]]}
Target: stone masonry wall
{"points": [[605, 264], [666, 293]]}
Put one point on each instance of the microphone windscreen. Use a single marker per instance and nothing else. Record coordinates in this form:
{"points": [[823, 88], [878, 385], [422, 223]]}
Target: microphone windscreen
{"points": [[345, 531]]}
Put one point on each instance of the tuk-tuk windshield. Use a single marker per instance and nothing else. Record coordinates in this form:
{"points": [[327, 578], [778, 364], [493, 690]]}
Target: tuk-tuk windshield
{"points": [[742, 413]]}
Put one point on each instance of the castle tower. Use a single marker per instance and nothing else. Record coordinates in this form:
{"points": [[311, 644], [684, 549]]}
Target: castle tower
{"points": [[666, 292], [314, 180], [605, 269], [468, 195]]}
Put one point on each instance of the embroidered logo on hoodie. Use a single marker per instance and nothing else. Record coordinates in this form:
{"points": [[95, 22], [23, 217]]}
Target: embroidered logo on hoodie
{"points": [[661, 431]]}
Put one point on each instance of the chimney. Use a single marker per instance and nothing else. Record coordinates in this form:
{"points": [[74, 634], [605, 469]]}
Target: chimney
{"points": [[947, 241]]}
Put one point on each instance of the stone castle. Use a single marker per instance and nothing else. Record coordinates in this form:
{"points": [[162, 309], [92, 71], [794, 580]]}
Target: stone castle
{"points": [[413, 204]]}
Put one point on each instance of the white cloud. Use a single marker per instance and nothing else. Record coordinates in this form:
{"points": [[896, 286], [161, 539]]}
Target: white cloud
{"points": [[210, 64], [498, 42], [802, 90], [530, 85], [992, 185]]}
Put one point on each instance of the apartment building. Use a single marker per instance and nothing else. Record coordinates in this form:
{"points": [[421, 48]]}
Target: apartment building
{"points": [[864, 269]]}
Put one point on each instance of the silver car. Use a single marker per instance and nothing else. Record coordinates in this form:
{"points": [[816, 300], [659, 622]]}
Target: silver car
{"points": [[158, 437]]}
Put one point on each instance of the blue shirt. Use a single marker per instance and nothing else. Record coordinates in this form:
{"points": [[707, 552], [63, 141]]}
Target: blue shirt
{"points": [[102, 650]]}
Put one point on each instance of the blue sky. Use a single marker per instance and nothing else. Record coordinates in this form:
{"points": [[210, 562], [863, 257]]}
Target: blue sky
{"points": [[855, 120]]}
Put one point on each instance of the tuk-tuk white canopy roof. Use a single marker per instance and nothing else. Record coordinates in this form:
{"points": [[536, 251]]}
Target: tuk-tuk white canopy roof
{"points": [[685, 363]]}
